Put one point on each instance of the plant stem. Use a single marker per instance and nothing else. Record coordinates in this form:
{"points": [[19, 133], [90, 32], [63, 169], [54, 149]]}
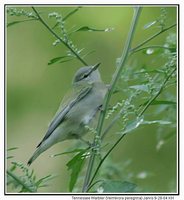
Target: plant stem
{"points": [[109, 94], [157, 94], [103, 159], [139, 115], [19, 181], [111, 124], [59, 38], [152, 37]]}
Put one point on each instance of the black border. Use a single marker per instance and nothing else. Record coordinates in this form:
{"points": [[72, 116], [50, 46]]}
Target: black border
{"points": [[178, 103]]}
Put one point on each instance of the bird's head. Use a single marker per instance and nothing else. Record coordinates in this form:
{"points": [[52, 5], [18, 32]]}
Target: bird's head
{"points": [[88, 75]]}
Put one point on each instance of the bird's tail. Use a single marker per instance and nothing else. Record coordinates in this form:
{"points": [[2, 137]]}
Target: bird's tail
{"points": [[41, 148], [34, 156]]}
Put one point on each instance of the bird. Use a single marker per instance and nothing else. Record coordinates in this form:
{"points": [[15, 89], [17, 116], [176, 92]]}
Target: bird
{"points": [[79, 111]]}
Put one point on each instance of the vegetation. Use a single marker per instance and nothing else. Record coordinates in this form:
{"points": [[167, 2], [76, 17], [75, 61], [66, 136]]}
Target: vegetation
{"points": [[141, 95]]}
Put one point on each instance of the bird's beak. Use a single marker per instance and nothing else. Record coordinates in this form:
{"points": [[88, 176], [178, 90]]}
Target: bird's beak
{"points": [[95, 67]]}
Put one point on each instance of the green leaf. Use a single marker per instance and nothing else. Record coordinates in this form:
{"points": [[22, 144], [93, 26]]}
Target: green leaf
{"points": [[67, 152], [88, 53], [12, 23], [71, 13], [140, 121], [67, 16], [57, 59], [162, 122], [152, 51], [17, 22], [9, 157], [44, 179], [13, 148], [67, 60], [150, 71], [118, 186], [87, 28], [150, 24], [75, 165]]}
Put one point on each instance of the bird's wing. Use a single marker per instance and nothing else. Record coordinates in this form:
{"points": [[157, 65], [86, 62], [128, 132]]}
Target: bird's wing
{"points": [[60, 116]]}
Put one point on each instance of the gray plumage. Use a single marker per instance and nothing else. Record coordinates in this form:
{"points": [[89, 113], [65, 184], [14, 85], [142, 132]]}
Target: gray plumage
{"points": [[80, 110]]}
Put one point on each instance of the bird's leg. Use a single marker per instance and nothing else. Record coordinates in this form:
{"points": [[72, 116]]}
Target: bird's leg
{"points": [[86, 142], [100, 108]]}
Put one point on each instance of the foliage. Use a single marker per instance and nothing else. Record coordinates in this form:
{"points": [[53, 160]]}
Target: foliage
{"points": [[117, 187], [140, 87], [24, 179]]}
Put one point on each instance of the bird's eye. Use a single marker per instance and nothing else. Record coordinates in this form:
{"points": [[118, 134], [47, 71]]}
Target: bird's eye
{"points": [[85, 76]]}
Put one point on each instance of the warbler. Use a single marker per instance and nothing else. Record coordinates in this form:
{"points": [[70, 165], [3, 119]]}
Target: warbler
{"points": [[78, 112]]}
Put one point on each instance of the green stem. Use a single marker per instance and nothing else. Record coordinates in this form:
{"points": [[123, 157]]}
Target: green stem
{"points": [[103, 159], [59, 38], [152, 37], [139, 115], [116, 76], [111, 125], [157, 94], [16, 178]]}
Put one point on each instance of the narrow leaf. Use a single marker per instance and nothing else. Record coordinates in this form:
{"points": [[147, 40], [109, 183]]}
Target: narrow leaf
{"points": [[17, 22], [152, 51], [90, 52], [150, 71], [75, 165], [9, 157], [118, 186], [44, 179], [57, 59], [162, 122], [13, 148], [87, 28], [71, 13], [66, 60], [12, 23], [67, 152]]}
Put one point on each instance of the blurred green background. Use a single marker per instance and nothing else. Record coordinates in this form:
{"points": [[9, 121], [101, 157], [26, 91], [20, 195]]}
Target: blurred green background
{"points": [[35, 89]]}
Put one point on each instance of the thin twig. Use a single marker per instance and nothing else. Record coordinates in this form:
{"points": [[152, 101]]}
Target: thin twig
{"points": [[152, 37], [116, 76], [59, 38]]}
